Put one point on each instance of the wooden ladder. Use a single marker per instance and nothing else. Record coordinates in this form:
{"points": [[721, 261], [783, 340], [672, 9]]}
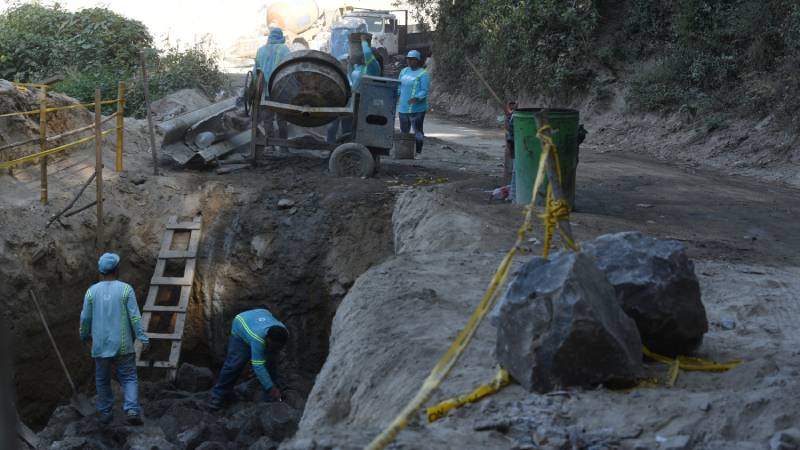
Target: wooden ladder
{"points": [[162, 303]]}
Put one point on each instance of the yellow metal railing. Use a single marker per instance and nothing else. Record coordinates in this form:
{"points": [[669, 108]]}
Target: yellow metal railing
{"points": [[43, 139]]}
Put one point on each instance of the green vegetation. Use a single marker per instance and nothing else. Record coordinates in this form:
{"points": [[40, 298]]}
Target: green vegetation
{"points": [[93, 48], [694, 55]]}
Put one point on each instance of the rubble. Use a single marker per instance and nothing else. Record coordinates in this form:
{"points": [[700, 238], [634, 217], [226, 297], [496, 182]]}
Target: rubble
{"points": [[558, 325], [655, 283], [177, 420]]}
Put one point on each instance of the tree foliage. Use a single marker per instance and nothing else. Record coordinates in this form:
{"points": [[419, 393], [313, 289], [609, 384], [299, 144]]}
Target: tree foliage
{"points": [[704, 55], [533, 45], [96, 48], [38, 41]]}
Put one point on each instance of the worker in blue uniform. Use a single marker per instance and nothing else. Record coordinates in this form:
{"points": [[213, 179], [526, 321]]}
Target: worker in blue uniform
{"points": [[268, 58], [257, 336], [414, 84], [357, 68], [111, 318]]}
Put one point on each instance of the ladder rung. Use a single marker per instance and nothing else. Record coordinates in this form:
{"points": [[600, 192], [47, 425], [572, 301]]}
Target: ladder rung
{"points": [[174, 309], [184, 226], [165, 336]]}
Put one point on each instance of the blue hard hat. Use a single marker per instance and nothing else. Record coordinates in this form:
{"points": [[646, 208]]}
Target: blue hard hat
{"points": [[107, 263], [414, 54]]}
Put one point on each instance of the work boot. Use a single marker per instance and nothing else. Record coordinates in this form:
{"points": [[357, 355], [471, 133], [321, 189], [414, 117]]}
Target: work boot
{"points": [[106, 419], [134, 419]]}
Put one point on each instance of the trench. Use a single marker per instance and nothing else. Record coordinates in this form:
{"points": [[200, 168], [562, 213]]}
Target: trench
{"points": [[298, 262]]}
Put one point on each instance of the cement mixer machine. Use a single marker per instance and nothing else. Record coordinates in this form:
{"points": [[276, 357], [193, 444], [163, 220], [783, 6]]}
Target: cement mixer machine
{"points": [[311, 89]]}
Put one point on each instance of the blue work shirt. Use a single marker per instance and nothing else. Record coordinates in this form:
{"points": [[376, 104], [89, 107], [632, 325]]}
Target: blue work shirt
{"points": [[251, 326], [414, 84], [110, 316], [371, 67], [268, 58]]}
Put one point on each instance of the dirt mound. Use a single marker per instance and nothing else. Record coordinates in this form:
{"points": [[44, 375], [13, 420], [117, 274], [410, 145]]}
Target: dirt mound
{"points": [[25, 127], [401, 315]]}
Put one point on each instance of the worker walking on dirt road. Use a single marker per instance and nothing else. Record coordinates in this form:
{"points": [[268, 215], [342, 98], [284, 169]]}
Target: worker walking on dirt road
{"points": [[257, 336], [267, 59], [414, 83], [111, 318]]}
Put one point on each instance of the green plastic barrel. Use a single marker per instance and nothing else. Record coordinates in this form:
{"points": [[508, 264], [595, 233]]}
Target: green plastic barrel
{"points": [[528, 150]]}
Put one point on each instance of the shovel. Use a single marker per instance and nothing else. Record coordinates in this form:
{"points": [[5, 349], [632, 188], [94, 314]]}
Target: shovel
{"points": [[79, 401]]}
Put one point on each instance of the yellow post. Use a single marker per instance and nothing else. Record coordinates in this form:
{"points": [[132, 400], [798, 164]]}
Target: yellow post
{"points": [[98, 168], [120, 123], [43, 143]]}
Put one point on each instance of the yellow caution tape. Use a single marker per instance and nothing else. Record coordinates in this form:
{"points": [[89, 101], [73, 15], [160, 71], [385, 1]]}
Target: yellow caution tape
{"points": [[501, 380], [555, 210], [688, 363], [448, 360], [58, 108], [24, 159]]}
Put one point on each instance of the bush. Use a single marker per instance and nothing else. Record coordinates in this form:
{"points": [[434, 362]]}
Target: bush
{"points": [[168, 71], [532, 45], [97, 48], [38, 41]]}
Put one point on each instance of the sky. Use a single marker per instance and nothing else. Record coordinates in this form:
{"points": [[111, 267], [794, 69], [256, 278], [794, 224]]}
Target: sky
{"points": [[187, 21]]}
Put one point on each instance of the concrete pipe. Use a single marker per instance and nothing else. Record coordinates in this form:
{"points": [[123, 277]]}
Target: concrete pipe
{"points": [[309, 78]]}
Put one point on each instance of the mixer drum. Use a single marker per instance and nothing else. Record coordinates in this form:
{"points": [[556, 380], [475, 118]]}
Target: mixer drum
{"points": [[310, 78]]}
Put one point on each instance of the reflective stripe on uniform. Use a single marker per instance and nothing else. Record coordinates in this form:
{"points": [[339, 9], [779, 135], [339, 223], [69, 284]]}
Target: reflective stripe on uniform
{"points": [[258, 362], [416, 83], [249, 331], [124, 323]]}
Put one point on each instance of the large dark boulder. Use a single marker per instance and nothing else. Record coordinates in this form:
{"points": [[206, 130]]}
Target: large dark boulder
{"points": [[655, 283], [559, 325]]}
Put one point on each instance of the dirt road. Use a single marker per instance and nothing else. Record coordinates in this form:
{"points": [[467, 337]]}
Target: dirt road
{"points": [[718, 216]]}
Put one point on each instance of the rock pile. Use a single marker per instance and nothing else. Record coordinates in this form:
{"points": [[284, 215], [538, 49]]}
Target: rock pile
{"points": [[179, 420]]}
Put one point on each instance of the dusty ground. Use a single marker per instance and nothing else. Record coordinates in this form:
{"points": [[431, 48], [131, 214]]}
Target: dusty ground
{"points": [[428, 252], [449, 239]]}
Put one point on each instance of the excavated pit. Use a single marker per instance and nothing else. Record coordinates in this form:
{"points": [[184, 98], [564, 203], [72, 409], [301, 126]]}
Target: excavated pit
{"points": [[297, 261]]}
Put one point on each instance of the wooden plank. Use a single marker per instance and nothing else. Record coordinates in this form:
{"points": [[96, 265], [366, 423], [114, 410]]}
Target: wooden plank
{"points": [[164, 309], [165, 336], [184, 226], [152, 295], [183, 300], [180, 323], [186, 280], [166, 241], [146, 316], [190, 252]]}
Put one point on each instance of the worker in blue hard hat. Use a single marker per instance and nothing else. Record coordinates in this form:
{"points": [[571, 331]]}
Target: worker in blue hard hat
{"points": [[414, 83], [267, 59], [357, 67], [111, 319], [256, 336]]}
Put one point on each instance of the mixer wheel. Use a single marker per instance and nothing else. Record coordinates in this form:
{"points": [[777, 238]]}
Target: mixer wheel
{"points": [[351, 160]]}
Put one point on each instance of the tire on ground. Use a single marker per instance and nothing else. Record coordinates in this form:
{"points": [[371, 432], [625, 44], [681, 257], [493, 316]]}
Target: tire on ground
{"points": [[351, 160]]}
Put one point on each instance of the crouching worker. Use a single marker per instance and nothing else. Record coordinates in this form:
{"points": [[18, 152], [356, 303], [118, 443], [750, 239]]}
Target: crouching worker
{"points": [[110, 318], [256, 335]]}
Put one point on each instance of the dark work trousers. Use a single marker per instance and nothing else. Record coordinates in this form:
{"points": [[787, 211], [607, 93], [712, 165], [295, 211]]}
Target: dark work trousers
{"points": [[237, 358]]}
